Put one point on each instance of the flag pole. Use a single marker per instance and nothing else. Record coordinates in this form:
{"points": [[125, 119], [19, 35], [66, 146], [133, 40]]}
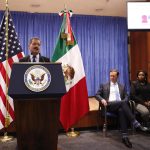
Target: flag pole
{"points": [[6, 138], [71, 133]]}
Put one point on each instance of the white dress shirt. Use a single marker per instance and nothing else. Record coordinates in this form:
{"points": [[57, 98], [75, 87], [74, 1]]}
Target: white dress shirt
{"points": [[114, 92]]}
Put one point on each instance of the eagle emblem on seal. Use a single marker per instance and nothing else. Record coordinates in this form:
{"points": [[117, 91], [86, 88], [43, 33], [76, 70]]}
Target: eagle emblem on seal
{"points": [[37, 80]]}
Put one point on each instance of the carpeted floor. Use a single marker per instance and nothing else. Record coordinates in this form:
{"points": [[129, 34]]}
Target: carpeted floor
{"points": [[94, 141]]}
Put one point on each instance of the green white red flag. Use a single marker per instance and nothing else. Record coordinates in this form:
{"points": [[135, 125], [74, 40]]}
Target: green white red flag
{"points": [[74, 104]]}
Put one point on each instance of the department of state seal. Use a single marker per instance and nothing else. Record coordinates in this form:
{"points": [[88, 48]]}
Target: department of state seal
{"points": [[37, 78]]}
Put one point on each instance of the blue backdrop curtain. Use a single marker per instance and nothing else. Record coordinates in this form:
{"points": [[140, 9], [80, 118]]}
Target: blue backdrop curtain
{"points": [[102, 41]]}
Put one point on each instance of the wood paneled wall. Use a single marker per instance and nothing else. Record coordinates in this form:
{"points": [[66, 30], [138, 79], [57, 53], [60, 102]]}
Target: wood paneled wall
{"points": [[148, 50], [139, 52]]}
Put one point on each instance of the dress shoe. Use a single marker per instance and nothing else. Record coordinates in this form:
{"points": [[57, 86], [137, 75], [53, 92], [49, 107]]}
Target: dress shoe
{"points": [[143, 129], [126, 142]]}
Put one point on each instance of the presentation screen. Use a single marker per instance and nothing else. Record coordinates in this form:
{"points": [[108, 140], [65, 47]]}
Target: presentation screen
{"points": [[138, 15]]}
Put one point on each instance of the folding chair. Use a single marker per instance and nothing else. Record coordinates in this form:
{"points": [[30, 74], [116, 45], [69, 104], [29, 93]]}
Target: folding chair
{"points": [[112, 115]]}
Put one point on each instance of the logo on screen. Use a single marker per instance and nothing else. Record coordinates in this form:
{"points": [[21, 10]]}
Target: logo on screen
{"points": [[144, 19], [37, 78]]}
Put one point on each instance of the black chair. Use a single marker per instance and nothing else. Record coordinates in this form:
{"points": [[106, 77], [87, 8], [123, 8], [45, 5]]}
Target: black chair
{"points": [[104, 115]]}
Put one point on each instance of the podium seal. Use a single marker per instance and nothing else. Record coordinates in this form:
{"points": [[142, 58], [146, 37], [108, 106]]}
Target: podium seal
{"points": [[37, 78]]}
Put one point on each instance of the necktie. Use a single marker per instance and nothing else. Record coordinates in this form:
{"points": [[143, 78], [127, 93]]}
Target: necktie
{"points": [[33, 59]]}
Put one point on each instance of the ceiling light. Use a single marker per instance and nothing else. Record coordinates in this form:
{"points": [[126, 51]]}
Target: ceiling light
{"points": [[99, 9], [35, 5]]}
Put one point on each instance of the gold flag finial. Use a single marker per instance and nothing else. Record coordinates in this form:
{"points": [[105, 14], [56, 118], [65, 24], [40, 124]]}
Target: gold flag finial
{"points": [[6, 3], [65, 7]]}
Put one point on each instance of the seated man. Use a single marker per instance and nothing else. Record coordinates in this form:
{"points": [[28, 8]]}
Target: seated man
{"points": [[114, 96]]}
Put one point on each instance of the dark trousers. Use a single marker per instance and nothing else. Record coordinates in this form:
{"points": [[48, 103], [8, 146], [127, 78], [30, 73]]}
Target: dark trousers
{"points": [[121, 108]]}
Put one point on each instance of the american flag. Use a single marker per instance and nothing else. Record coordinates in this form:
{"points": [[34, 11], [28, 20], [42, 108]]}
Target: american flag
{"points": [[14, 54]]}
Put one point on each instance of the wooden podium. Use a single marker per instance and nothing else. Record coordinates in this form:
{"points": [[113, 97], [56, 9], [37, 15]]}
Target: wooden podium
{"points": [[37, 113]]}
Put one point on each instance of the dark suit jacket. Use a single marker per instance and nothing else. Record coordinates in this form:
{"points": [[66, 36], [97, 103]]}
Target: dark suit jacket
{"points": [[104, 91], [140, 92], [41, 59]]}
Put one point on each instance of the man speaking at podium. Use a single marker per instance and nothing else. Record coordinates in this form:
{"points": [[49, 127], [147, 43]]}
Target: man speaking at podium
{"points": [[35, 56]]}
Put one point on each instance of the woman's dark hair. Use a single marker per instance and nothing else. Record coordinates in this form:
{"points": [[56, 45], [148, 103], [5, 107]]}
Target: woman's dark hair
{"points": [[145, 74]]}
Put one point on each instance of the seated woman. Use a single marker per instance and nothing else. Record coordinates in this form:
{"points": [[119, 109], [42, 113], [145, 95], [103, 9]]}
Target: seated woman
{"points": [[140, 93]]}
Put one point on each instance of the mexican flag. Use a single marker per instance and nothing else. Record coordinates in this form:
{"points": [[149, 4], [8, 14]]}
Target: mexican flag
{"points": [[74, 104]]}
